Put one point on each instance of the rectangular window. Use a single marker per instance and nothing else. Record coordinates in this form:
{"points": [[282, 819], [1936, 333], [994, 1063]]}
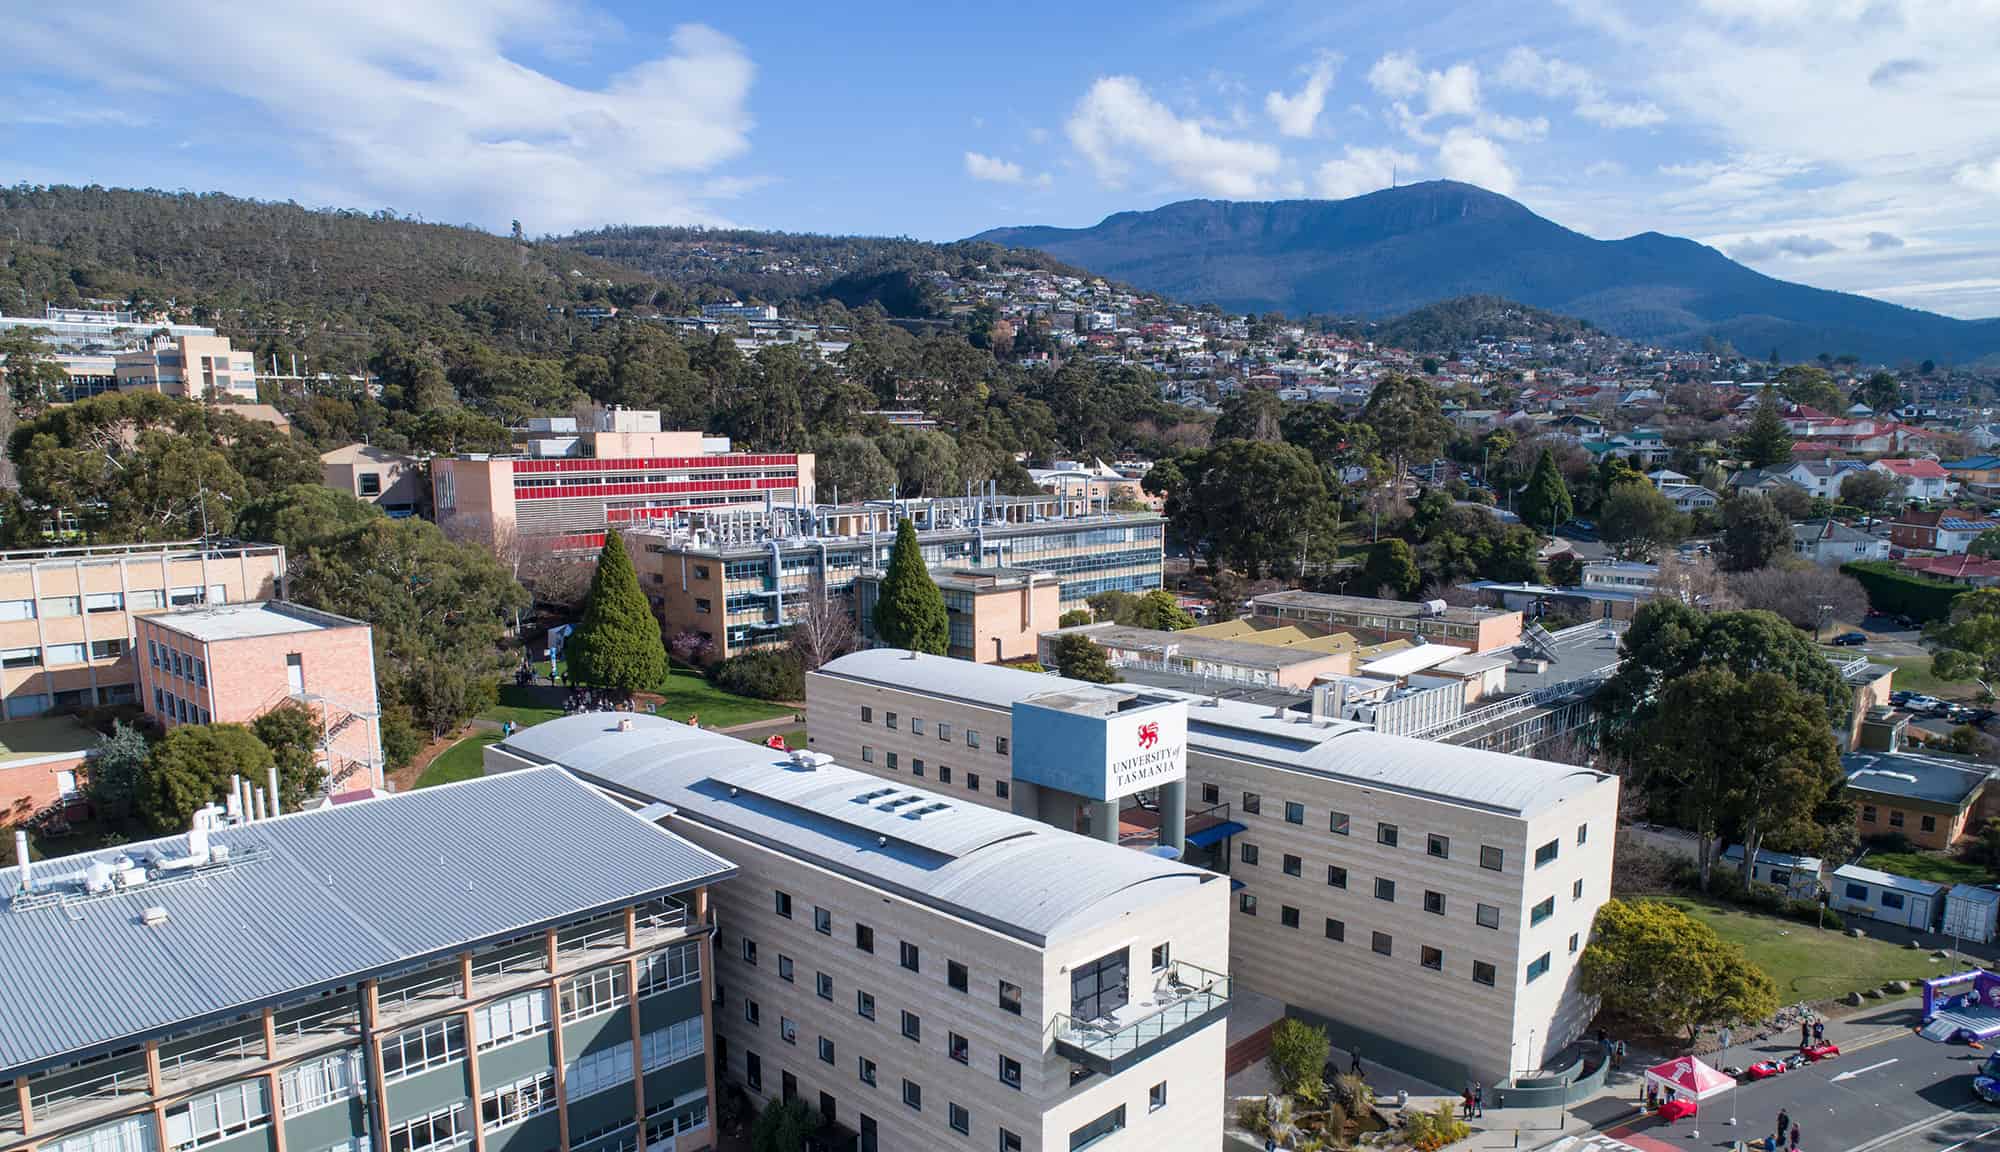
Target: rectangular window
{"points": [[593, 993], [1546, 854], [103, 602], [674, 967], [1211, 794], [961, 1120], [788, 1029], [1336, 876], [1929, 823], [1386, 834], [1383, 945], [971, 738], [913, 1094], [867, 714], [913, 1026], [889, 721], [1857, 892], [1010, 997], [1000, 745], [1868, 813], [1248, 852], [424, 1047], [823, 921], [107, 649], [598, 1070], [21, 658], [1895, 818], [144, 600], [1293, 865], [1582, 833], [17, 609], [1103, 1127], [1892, 899], [944, 730], [864, 938], [1246, 903], [958, 1048], [1385, 889], [1295, 812], [784, 968], [1574, 941], [1482, 973], [1156, 1097], [1337, 823], [1542, 911], [1576, 889], [956, 975], [944, 773], [1438, 846], [784, 904], [911, 957], [1288, 916], [185, 597], [1434, 902], [320, 1082], [1010, 1072], [444, 1128], [1537, 967], [916, 726], [1335, 929], [749, 950], [57, 606], [1009, 1142], [1431, 958], [823, 985], [753, 1070], [1162, 956], [892, 761], [518, 1101], [825, 1050], [1487, 915], [515, 1018], [681, 1040], [1253, 803], [371, 483], [867, 754], [1001, 788], [61, 654], [1492, 859], [752, 1013], [865, 1068]]}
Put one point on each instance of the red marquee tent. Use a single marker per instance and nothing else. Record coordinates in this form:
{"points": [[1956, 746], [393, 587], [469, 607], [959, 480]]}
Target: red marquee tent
{"points": [[1689, 1078]]}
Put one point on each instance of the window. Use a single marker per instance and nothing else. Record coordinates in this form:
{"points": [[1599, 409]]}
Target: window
{"points": [[506, 1021], [1438, 846], [1001, 788], [1249, 854], [1337, 823], [1482, 973], [1162, 957], [103, 602], [1156, 1097], [1492, 859], [1010, 1072], [892, 762], [1868, 813], [751, 1012], [1573, 943], [106, 649], [1295, 812], [913, 1026], [1537, 967], [867, 714], [1487, 915], [1895, 818], [889, 721], [823, 984], [1009, 1142], [913, 1095], [788, 1029], [784, 903], [972, 781], [1010, 997], [960, 1119], [427, 1046], [1385, 889], [1288, 916], [54, 606], [444, 1128], [1000, 745], [912, 958], [823, 921], [955, 975], [1434, 902], [1582, 833], [1892, 899], [1246, 903], [593, 993], [1253, 803], [371, 483], [864, 1004], [864, 937], [749, 950], [513, 1103], [1929, 823], [17, 609], [317, 1083], [865, 1068], [825, 1050], [1105, 1125], [1336, 876], [1542, 911], [958, 1048], [1576, 889], [1211, 794], [60, 654], [753, 1070], [1385, 834], [944, 730], [867, 754], [1383, 945], [144, 600], [1546, 854], [971, 738], [1293, 865], [1335, 929], [1431, 958], [784, 968], [1857, 892], [916, 726], [20, 658]]}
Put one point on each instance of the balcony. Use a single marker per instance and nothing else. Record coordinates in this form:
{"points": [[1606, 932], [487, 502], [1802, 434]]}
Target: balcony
{"points": [[1184, 998]]}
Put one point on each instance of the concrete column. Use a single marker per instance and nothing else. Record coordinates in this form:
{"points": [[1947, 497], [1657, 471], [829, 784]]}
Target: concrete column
{"points": [[638, 1055], [1173, 814], [26, 1101], [1104, 820], [556, 1042], [472, 1079], [1027, 799]]}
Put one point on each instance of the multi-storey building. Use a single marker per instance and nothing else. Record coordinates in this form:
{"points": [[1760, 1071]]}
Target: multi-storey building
{"points": [[923, 972], [1481, 629], [992, 614], [741, 579], [85, 329], [274, 987], [569, 487], [231, 663], [391, 481], [189, 365], [1452, 888]]}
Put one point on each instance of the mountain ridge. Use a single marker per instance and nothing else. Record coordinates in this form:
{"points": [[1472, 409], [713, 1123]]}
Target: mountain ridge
{"points": [[1391, 251]]}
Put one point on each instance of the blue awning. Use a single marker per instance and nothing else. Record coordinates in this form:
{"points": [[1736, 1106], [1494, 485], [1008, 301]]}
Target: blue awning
{"points": [[1235, 884], [1214, 834]]}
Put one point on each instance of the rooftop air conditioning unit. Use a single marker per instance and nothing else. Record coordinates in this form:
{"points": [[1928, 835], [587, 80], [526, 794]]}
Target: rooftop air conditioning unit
{"points": [[154, 916]]}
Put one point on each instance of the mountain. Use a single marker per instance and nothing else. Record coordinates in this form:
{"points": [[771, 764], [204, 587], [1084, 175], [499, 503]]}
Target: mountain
{"points": [[1399, 249]]}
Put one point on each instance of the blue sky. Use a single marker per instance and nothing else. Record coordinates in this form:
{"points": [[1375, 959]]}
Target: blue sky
{"points": [[1852, 144]]}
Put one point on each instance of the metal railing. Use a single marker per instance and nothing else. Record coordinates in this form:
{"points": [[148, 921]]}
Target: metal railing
{"points": [[526, 960], [1548, 694], [442, 987], [339, 1018], [121, 1082], [1183, 994], [242, 1046]]}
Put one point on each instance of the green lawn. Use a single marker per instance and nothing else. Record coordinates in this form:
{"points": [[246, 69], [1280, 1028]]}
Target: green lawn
{"points": [[687, 694], [1807, 963], [1913, 673], [461, 761], [522, 706], [1929, 866]]}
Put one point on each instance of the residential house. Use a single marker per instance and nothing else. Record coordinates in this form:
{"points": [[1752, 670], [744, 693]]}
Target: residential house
{"points": [[1980, 474], [1762, 481], [1822, 477], [1961, 569], [1830, 543], [1665, 478], [1939, 530], [1692, 497], [1932, 800], [1924, 479]]}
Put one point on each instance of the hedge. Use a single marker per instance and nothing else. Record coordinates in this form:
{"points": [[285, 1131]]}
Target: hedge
{"points": [[1891, 589]]}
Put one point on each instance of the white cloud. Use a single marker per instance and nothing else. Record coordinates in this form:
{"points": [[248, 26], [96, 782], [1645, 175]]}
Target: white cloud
{"points": [[982, 167], [430, 105], [1527, 70], [1296, 115], [1453, 92], [1512, 128], [1360, 171], [1882, 241], [1604, 170], [1117, 121], [1981, 177], [1468, 156], [1397, 75], [1797, 245]]}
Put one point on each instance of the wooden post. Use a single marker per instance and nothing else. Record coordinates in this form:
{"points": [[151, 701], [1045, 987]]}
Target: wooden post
{"points": [[552, 952], [26, 1099], [705, 949], [277, 1094], [638, 1057], [153, 1067], [270, 1034], [378, 1097], [472, 1072], [556, 1043], [632, 927], [465, 975], [159, 1125]]}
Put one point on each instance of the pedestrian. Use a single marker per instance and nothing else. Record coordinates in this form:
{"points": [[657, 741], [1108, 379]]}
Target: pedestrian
{"points": [[1795, 1137], [1784, 1125], [1805, 1033], [1819, 1031], [1465, 1105], [1478, 1099], [1620, 1061], [1601, 1041], [1354, 1061]]}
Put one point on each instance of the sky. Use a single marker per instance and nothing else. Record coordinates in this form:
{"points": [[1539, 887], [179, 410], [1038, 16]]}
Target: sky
{"points": [[1848, 144]]}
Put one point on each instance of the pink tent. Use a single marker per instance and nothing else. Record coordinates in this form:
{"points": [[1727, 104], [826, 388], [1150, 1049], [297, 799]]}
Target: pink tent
{"points": [[1689, 1078]]}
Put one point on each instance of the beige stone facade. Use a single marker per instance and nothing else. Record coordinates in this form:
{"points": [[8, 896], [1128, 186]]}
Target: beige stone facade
{"points": [[392, 482], [196, 366], [995, 615]]}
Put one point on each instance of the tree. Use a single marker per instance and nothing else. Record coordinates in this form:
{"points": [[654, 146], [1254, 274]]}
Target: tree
{"points": [[1638, 520], [855, 468], [117, 771], [1984, 847], [823, 628], [292, 733], [1252, 415], [1079, 657], [1248, 504], [34, 378], [1871, 490], [617, 645], [1805, 594], [1754, 532], [1075, 618], [1114, 606], [1986, 544], [1969, 640], [1297, 1059], [783, 1126], [1654, 965], [192, 765], [1880, 392], [1545, 502], [1161, 611], [1766, 442], [909, 609], [1565, 570], [1393, 566], [1407, 419], [1804, 384]]}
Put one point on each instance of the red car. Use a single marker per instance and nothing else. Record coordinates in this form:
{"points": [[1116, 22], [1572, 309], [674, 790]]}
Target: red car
{"points": [[1764, 1069], [1818, 1052]]}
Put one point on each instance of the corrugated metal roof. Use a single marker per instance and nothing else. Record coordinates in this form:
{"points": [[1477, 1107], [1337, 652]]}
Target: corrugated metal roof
{"points": [[1005, 872], [1887, 880], [1915, 775], [320, 898]]}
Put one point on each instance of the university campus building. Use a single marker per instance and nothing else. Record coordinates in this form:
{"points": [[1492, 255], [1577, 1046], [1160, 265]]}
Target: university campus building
{"points": [[363, 976], [923, 971], [1452, 888]]}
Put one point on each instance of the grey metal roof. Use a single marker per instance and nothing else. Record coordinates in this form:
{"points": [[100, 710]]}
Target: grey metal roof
{"points": [[986, 684], [1887, 880], [1913, 776], [1004, 872], [320, 898], [249, 619], [1328, 602], [1209, 649]]}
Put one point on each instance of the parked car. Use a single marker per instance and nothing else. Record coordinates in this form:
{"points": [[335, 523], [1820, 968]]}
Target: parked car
{"points": [[1849, 639], [1905, 622], [1922, 703], [1986, 1085], [1900, 696]]}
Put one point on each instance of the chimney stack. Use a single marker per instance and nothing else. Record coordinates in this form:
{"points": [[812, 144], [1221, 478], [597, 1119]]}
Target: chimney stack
{"points": [[21, 858], [274, 789], [259, 805]]}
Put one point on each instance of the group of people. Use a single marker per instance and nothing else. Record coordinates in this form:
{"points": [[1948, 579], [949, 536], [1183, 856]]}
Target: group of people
{"points": [[1614, 1050], [1788, 1133], [593, 700], [1474, 1103], [1811, 1033]]}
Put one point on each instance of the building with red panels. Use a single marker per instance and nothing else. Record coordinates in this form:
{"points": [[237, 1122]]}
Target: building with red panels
{"points": [[232, 663], [569, 485]]}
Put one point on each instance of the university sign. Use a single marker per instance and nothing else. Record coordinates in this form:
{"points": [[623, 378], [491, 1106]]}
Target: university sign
{"points": [[1145, 749]]}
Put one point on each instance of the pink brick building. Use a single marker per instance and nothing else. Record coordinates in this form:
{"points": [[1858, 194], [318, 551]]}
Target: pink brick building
{"points": [[231, 663]]}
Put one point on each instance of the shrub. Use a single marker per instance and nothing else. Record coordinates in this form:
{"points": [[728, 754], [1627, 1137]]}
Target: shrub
{"points": [[1890, 842], [1811, 912], [783, 1126], [1298, 1054], [1890, 589], [763, 674], [1436, 1128]]}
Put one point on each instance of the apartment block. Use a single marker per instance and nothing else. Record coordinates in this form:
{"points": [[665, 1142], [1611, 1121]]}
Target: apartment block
{"points": [[275, 985], [189, 365], [1453, 889], [992, 614], [69, 616], [391, 481], [923, 972], [569, 486], [231, 663]]}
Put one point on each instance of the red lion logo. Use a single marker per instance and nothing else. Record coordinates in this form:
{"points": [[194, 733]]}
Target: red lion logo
{"points": [[1149, 735]]}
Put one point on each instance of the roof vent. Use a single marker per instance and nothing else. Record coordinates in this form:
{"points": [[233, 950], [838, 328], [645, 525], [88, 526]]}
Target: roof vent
{"points": [[154, 916], [624, 723]]}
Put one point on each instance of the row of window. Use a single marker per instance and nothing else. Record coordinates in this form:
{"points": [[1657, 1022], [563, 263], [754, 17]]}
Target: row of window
{"points": [[1002, 789], [174, 662], [1868, 816], [59, 655], [57, 607], [1390, 835], [1384, 944], [1486, 915], [218, 1115], [892, 721], [909, 954], [178, 708]]}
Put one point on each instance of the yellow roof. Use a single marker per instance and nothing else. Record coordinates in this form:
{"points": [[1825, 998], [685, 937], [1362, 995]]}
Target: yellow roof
{"points": [[1223, 630], [1383, 649]]}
